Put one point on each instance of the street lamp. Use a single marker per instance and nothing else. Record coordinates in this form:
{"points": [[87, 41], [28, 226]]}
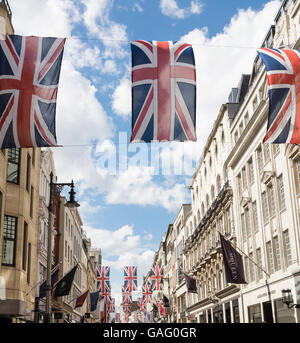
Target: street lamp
{"points": [[70, 204], [287, 298]]}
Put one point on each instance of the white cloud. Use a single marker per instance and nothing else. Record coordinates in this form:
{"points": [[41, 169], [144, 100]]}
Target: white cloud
{"points": [[137, 7], [171, 9], [44, 17], [97, 20], [137, 186], [121, 99], [223, 58]]}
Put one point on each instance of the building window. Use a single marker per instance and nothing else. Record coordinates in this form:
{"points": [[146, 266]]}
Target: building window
{"points": [[239, 184], [236, 313], [267, 152], [247, 268], [246, 118], [28, 169], [251, 267], [228, 218], [25, 236], [271, 198], [251, 171], [276, 148], [259, 263], [265, 207], [31, 202], [287, 248], [244, 177], [13, 165], [255, 104], [254, 313], [270, 257], [9, 240], [281, 192], [259, 159], [277, 254], [244, 234], [298, 174], [255, 216], [247, 222], [236, 136], [29, 263]]}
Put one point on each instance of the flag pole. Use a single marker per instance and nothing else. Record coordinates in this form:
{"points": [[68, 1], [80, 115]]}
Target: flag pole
{"points": [[236, 247], [40, 282]]}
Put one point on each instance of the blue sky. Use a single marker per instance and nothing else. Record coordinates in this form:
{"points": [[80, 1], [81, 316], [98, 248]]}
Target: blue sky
{"points": [[126, 210]]}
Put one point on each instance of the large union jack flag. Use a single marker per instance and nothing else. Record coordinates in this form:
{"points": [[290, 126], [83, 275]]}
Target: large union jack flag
{"points": [[283, 72], [147, 292], [157, 275], [29, 77], [130, 278], [163, 91], [103, 273]]}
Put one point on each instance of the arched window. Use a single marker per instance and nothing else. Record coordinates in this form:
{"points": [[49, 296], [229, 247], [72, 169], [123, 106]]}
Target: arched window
{"points": [[207, 201], [212, 193], [202, 209], [218, 184], [198, 216]]}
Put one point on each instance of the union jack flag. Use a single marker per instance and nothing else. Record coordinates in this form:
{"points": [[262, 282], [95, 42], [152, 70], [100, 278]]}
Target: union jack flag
{"points": [[163, 91], [156, 274], [130, 278], [283, 73], [103, 273], [147, 292], [126, 307], [126, 296], [142, 304], [29, 77], [111, 304]]}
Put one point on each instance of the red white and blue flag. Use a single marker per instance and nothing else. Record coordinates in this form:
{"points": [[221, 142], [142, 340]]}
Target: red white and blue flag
{"points": [[157, 275], [283, 72], [29, 77], [147, 292], [126, 307], [142, 304], [130, 278], [103, 276], [126, 296], [163, 91]]}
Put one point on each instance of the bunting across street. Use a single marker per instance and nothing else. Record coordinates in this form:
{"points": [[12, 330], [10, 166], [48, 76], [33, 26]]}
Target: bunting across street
{"points": [[283, 73], [156, 274], [146, 292], [130, 278], [163, 91], [103, 278], [29, 77], [126, 295]]}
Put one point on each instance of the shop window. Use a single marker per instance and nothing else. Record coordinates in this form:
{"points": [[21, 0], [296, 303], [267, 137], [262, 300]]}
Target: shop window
{"points": [[254, 314]]}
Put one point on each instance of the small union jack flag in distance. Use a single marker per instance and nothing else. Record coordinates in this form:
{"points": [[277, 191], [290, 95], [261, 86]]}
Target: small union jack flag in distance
{"points": [[126, 296], [163, 91], [147, 292], [130, 278], [156, 274], [283, 73], [29, 77], [103, 276]]}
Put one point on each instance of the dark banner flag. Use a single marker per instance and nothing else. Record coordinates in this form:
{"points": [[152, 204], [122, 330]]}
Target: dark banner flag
{"points": [[94, 297], [233, 263], [81, 299], [190, 283], [42, 292], [64, 285]]}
